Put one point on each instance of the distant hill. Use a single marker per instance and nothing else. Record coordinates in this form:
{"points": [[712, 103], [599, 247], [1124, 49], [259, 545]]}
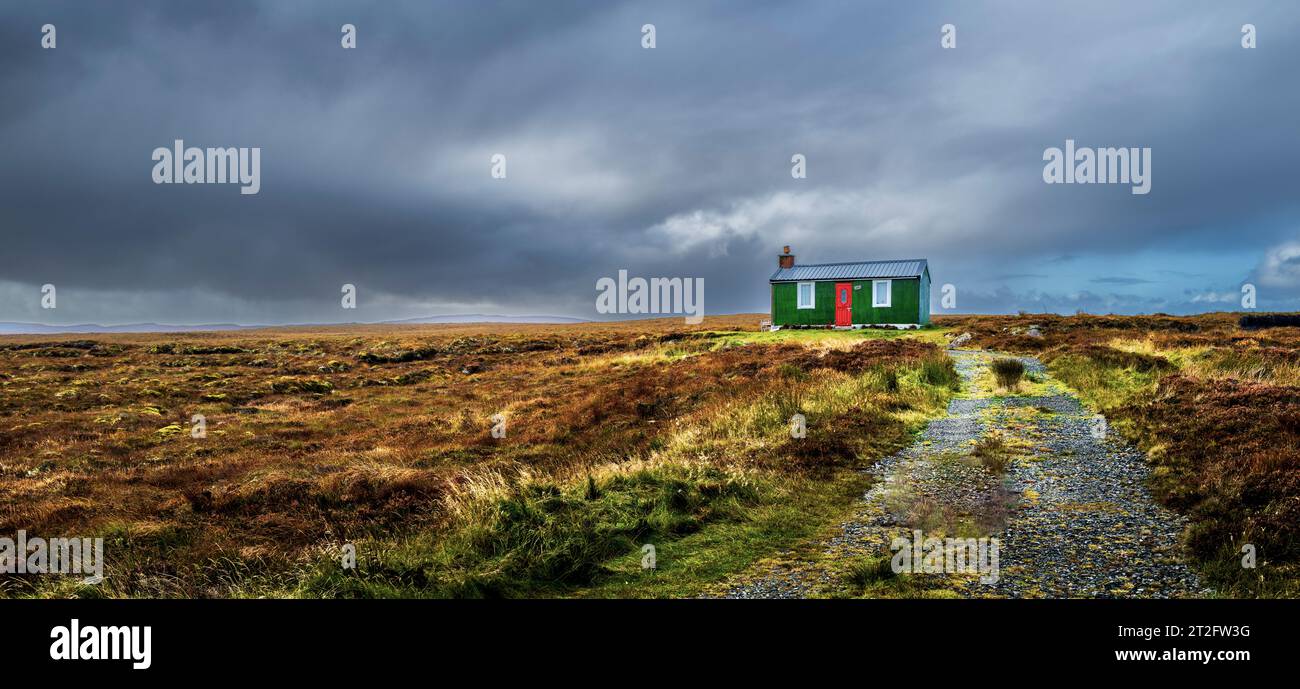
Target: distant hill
{"points": [[11, 328], [484, 318], [41, 329]]}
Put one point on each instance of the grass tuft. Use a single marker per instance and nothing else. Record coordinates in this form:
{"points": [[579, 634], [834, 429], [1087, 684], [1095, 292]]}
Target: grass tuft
{"points": [[1008, 372]]}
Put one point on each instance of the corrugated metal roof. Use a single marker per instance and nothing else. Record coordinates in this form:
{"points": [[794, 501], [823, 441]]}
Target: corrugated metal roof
{"points": [[858, 270]]}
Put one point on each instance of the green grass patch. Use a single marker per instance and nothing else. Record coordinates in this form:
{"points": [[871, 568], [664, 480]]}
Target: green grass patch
{"points": [[798, 513], [873, 576], [1101, 386], [929, 333], [713, 499], [547, 539]]}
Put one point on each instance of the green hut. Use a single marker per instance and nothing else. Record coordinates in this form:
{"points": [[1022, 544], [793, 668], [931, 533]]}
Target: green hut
{"points": [[850, 295]]}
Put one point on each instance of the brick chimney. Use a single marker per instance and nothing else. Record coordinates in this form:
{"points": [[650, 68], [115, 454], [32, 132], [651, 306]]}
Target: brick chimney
{"points": [[786, 259]]}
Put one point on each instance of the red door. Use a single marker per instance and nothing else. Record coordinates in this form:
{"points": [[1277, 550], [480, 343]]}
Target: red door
{"points": [[844, 303]]}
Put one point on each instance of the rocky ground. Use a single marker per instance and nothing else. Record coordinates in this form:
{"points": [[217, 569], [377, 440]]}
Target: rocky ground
{"points": [[1068, 506]]}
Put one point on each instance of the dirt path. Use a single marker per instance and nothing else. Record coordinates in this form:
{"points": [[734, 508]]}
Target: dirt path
{"points": [[1065, 499]]}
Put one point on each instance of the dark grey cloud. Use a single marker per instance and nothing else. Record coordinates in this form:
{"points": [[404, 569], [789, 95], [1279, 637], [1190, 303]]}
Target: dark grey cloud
{"points": [[672, 161]]}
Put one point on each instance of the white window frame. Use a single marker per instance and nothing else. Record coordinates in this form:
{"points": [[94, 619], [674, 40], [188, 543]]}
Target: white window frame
{"points": [[812, 294], [889, 294]]}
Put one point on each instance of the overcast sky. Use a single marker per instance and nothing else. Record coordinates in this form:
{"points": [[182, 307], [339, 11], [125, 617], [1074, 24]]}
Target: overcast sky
{"points": [[671, 161]]}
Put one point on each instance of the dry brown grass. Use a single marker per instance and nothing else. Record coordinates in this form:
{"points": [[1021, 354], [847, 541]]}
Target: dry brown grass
{"points": [[306, 403], [317, 436]]}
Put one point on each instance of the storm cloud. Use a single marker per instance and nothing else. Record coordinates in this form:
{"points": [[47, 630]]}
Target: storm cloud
{"points": [[673, 161]]}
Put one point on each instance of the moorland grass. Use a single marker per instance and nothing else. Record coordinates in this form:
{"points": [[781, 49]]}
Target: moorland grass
{"points": [[1007, 372], [1218, 425], [618, 435], [717, 495]]}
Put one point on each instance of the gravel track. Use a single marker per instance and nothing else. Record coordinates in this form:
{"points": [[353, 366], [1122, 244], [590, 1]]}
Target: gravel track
{"points": [[1071, 511]]}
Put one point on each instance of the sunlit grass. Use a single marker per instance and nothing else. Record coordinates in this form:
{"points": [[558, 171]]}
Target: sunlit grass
{"points": [[932, 334], [565, 547], [381, 437], [1206, 415]]}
